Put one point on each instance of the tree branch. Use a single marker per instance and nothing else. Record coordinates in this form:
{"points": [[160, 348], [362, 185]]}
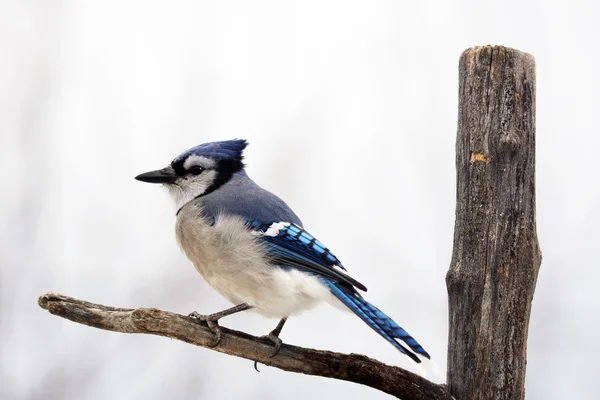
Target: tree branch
{"points": [[348, 367]]}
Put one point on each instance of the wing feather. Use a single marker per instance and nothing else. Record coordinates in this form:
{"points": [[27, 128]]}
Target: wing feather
{"points": [[289, 244]]}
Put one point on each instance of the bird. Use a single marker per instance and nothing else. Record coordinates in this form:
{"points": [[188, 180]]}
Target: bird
{"points": [[250, 247]]}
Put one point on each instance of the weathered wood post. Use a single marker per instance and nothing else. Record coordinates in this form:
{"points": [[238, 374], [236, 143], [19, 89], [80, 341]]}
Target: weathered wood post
{"points": [[496, 257]]}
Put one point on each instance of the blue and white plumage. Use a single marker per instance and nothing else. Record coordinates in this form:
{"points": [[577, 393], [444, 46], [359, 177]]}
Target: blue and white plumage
{"points": [[252, 249]]}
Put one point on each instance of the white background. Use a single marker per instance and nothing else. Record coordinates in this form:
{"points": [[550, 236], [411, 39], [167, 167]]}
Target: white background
{"points": [[350, 109]]}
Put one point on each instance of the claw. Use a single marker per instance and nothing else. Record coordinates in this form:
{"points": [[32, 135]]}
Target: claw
{"points": [[272, 336], [197, 316], [212, 320], [276, 341], [213, 325]]}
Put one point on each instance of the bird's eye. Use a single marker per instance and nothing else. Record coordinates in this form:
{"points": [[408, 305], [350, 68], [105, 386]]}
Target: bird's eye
{"points": [[196, 170]]}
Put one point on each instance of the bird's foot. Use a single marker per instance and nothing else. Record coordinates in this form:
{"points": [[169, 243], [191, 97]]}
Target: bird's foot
{"points": [[212, 321], [274, 338]]}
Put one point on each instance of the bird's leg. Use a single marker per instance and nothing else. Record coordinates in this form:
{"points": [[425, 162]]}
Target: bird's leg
{"points": [[273, 336], [212, 320]]}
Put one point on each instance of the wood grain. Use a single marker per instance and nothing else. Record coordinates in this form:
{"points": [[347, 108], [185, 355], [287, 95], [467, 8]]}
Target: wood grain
{"points": [[496, 257]]}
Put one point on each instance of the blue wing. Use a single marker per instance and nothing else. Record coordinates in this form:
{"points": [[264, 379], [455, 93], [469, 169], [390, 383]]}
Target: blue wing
{"points": [[378, 321], [290, 245]]}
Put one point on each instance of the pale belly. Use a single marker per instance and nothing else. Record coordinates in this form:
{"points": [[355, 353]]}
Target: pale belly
{"points": [[232, 261]]}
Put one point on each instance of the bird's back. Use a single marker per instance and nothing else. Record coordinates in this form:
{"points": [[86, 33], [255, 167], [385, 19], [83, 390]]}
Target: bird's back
{"points": [[241, 196]]}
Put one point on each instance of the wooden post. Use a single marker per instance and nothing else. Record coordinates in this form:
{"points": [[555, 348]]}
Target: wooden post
{"points": [[496, 257]]}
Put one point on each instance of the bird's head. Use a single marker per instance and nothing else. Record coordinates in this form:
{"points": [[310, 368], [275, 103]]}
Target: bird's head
{"points": [[199, 170]]}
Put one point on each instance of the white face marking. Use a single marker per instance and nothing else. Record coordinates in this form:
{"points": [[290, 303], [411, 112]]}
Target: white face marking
{"points": [[189, 186], [201, 161]]}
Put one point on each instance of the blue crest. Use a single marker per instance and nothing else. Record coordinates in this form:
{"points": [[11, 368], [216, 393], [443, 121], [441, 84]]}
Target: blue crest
{"points": [[228, 150]]}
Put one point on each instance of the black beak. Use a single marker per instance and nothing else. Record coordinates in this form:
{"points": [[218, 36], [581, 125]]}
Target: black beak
{"points": [[165, 175]]}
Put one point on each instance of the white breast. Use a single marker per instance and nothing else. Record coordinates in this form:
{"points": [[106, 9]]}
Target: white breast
{"points": [[234, 263]]}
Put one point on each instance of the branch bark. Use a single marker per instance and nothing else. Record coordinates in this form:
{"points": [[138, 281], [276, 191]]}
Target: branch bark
{"points": [[496, 256], [348, 367]]}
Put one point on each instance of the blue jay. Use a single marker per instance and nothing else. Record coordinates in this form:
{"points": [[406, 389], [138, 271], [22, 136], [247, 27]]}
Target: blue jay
{"points": [[252, 248]]}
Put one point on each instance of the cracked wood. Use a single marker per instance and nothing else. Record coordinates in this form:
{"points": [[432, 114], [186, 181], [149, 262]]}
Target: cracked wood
{"points": [[496, 257]]}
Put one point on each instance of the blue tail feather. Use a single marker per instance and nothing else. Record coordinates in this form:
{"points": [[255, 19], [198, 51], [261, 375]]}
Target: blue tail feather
{"points": [[378, 321]]}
